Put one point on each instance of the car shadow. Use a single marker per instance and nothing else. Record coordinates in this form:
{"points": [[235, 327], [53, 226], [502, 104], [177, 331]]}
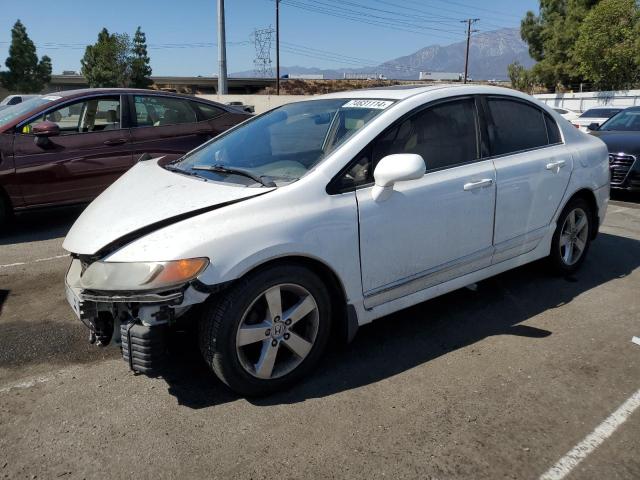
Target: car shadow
{"points": [[624, 196], [39, 225], [419, 334], [3, 297]]}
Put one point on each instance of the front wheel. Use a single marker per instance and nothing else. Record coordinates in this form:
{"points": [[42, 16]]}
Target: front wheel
{"points": [[572, 237], [268, 330]]}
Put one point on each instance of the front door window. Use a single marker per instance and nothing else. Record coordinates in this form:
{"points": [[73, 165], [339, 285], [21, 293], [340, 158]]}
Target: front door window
{"points": [[86, 116]]}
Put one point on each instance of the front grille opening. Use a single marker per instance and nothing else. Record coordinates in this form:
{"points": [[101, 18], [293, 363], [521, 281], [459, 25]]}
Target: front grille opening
{"points": [[620, 166]]}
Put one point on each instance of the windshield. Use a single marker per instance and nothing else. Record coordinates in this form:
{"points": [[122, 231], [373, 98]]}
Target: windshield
{"points": [[9, 114], [625, 121], [282, 145], [600, 113]]}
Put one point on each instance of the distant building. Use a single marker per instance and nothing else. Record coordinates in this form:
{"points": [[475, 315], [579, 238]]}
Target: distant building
{"points": [[304, 76], [441, 76], [364, 76]]}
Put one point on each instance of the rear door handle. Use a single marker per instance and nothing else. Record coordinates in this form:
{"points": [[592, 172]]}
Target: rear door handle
{"points": [[556, 165], [115, 141], [484, 183]]}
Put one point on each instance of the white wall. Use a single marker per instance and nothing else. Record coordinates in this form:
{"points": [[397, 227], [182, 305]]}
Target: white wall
{"points": [[572, 101], [580, 102], [261, 103]]}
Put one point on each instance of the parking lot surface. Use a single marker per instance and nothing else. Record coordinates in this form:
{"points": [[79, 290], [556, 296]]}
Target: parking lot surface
{"points": [[500, 382]]}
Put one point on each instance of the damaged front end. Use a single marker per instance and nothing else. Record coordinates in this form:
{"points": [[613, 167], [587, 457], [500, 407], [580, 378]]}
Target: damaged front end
{"points": [[133, 304]]}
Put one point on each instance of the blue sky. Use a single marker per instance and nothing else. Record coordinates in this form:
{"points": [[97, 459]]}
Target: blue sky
{"points": [[181, 35]]}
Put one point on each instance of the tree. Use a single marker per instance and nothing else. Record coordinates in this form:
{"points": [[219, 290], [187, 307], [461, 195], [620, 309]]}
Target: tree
{"points": [[26, 74], [107, 63], [606, 50], [551, 36], [140, 69], [521, 78]]}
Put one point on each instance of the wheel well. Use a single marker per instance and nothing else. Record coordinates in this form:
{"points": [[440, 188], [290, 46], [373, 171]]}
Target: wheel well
{"points": [[329, 278], [590, 198]]}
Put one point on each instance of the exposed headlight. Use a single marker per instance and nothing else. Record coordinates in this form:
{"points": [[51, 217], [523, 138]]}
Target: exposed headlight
{"points": [[141, 275]]}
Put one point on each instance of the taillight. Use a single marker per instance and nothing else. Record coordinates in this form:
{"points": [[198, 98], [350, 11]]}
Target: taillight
{"points": [[575, 125]]}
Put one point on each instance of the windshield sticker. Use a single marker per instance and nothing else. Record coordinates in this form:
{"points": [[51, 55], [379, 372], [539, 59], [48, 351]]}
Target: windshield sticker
{"points": [[51, 98], [376, 104]]}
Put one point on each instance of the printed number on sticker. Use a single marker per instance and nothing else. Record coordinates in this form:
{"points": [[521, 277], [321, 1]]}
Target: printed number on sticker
{"points": [[377, 104]]}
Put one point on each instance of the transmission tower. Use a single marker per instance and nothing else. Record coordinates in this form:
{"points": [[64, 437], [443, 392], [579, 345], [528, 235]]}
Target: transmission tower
{"points": [[262, 62]]}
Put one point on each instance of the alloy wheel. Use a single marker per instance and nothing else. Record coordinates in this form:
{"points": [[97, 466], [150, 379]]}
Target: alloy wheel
{"points": [[574, 236], [277, 331]]}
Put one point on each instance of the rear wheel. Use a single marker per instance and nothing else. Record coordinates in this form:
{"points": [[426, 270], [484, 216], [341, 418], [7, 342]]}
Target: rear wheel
{"points": [[572, 237], [268, 330]]}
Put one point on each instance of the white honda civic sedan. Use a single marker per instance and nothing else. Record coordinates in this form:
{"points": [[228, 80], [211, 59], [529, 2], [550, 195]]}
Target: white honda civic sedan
{"points": [[326, 214]]}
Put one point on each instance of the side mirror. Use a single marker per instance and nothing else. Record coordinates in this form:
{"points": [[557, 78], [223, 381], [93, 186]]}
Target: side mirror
{"points": [[46, 129], [43, 131], [593, 127], [395, 168]]}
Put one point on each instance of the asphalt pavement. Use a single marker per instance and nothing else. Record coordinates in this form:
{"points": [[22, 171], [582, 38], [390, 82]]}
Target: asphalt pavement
{"points": [[502, 382]]}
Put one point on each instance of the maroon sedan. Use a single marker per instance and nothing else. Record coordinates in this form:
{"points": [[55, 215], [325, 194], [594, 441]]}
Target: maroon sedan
{"points": [[67, 147]]}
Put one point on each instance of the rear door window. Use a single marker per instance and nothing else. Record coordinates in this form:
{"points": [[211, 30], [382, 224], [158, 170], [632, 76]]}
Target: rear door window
{"points": [[157, 111], [515, 126]]}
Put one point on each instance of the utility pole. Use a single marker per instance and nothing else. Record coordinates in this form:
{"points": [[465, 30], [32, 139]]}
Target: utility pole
{"points": [[222, 51], [469, 22], [277, 47]]}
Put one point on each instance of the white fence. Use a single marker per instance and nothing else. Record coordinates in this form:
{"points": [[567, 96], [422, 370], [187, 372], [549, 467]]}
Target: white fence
{"points": [[580, 102]]}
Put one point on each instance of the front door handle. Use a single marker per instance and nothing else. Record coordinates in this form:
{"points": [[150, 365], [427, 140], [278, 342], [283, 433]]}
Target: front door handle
{"points": [[556, 166], [115, 141], [484, 183]]}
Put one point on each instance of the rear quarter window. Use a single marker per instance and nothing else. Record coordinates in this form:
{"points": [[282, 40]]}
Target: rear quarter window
{"points": [[553, 132]]}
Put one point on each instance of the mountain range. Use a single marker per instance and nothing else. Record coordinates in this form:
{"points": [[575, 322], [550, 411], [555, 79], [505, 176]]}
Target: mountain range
{"points": [[490, 54]]}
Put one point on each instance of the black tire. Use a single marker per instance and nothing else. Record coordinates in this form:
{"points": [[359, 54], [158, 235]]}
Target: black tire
{"points": [[555, 260], [222, 317]]}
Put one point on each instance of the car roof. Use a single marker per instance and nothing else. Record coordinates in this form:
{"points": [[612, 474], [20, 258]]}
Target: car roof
{"points": [[396, 92], [603, 108], [445, 89], [67, 94]]}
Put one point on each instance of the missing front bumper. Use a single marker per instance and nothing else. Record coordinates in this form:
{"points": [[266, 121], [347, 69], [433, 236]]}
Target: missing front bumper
{"points": [[138, 321]]}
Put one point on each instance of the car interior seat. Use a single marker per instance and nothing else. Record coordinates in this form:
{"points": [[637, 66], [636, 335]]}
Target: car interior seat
{"points": [[112, 119]]}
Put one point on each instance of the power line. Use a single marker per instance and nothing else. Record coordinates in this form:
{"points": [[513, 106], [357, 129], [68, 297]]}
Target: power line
{"points": [[447, 9], [482, 9], [359, 19], [413, 16], [399, 22]]}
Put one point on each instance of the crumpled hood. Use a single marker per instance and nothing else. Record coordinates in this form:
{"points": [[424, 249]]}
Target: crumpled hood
{"points": [[144, 197]]}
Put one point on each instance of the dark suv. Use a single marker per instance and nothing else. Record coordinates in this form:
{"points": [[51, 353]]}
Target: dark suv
{"points": [[621, 133], [67, 147]]}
